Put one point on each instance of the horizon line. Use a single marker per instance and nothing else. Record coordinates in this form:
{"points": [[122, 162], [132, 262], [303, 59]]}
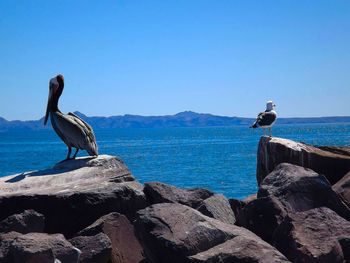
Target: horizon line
{"points": [[186, 111]]}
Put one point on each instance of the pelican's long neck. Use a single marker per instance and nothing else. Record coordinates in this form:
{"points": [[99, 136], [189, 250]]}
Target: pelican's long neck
{"points": [[54, 105], [56, 97]]}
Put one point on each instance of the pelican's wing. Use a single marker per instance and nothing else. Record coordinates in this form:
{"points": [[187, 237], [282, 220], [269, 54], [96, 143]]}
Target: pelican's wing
{"points": [[75, 132], [89, 132]]}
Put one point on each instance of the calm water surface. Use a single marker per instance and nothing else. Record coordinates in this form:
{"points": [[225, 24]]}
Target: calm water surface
{"points": [[222, 159]]}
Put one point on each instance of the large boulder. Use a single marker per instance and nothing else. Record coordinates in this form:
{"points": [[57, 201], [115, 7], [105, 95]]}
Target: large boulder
{"points": [[42, 248], [177, 233], [213, 205], [287, 190], [332, 162], [26, 222], [125, 246], [157, 192], [301, 189], [73, 194], [262, 216], [316, 235], [94, 249], [342, 188]]}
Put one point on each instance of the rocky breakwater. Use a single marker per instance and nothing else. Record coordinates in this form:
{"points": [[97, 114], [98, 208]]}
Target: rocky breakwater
{"points": [[297, 210], [93, 210]]}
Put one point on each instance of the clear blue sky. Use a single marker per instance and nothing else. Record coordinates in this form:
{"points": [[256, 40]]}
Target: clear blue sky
{"points": [[162, 57]]}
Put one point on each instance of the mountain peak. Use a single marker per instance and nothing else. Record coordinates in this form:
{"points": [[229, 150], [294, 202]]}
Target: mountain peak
{"points": [[187, 114]]}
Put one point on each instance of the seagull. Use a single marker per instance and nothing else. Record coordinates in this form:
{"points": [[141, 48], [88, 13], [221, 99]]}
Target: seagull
{"points": [[72, 130], [267, 118]]}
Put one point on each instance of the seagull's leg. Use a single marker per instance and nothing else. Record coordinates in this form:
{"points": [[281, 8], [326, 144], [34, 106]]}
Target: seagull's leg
{"points": [[270, 131], [76, 152]]}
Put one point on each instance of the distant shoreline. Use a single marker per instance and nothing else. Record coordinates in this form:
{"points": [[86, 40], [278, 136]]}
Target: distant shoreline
{"points": [[182, 119]]}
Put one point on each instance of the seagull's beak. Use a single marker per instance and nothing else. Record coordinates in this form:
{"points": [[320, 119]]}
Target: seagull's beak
{"points": [[53, 89]]}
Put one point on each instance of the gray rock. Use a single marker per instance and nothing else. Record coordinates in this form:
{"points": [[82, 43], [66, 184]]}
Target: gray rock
{"points": [[262, 216], [342, 188], [215, 206], [95, 249], [316, 235], [218, 207], [125, 246], [26, 222], [287, 190], [80, 191], [332, 162], [173, 233], [240, 249], [43, 248], [5, 244], [163, 193], [301, 189], [238, 205]]}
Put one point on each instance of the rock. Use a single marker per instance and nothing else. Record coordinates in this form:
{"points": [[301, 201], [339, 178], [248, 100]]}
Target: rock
{"points": [[250, 198], [42, 248], [332, 162], [262, 216], [287, 190], [218, 207], [162, 193], [300, 189], [26, 222], [95, 249], [177, 233], [125, 246], [5, 244], [342, 188], [215, 206], [240, 249], [80, 191], [237, 205], [316, 235]]}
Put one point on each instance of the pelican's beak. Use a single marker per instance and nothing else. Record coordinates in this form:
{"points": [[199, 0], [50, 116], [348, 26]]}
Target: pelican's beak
{"points": [[49, 101]]}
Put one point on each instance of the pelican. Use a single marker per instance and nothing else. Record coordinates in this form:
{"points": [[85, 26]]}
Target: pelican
{"points": [[267, 118], [72, 130]]}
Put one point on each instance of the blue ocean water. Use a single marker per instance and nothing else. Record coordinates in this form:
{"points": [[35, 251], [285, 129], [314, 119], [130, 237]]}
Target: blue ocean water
{"points": [[222, 159]]}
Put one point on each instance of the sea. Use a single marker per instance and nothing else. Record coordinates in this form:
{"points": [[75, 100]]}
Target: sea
{"points": [[222, 159]]}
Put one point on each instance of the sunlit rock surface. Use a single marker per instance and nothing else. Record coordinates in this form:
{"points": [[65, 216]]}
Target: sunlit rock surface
{"points": [[332, 162], [73, 194]]}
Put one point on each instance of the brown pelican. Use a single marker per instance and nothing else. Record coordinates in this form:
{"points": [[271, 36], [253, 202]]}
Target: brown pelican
{"points": [[267, 118], [73, 131]]}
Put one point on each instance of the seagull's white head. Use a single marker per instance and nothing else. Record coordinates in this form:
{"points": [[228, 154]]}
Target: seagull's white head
{"points": [[270, 105]]}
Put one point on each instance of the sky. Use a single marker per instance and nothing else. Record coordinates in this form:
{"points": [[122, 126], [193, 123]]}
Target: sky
{"points": [[148, 57]]}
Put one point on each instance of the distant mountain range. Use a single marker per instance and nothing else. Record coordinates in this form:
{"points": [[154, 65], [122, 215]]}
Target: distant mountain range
{"points": [[182, 119]]}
